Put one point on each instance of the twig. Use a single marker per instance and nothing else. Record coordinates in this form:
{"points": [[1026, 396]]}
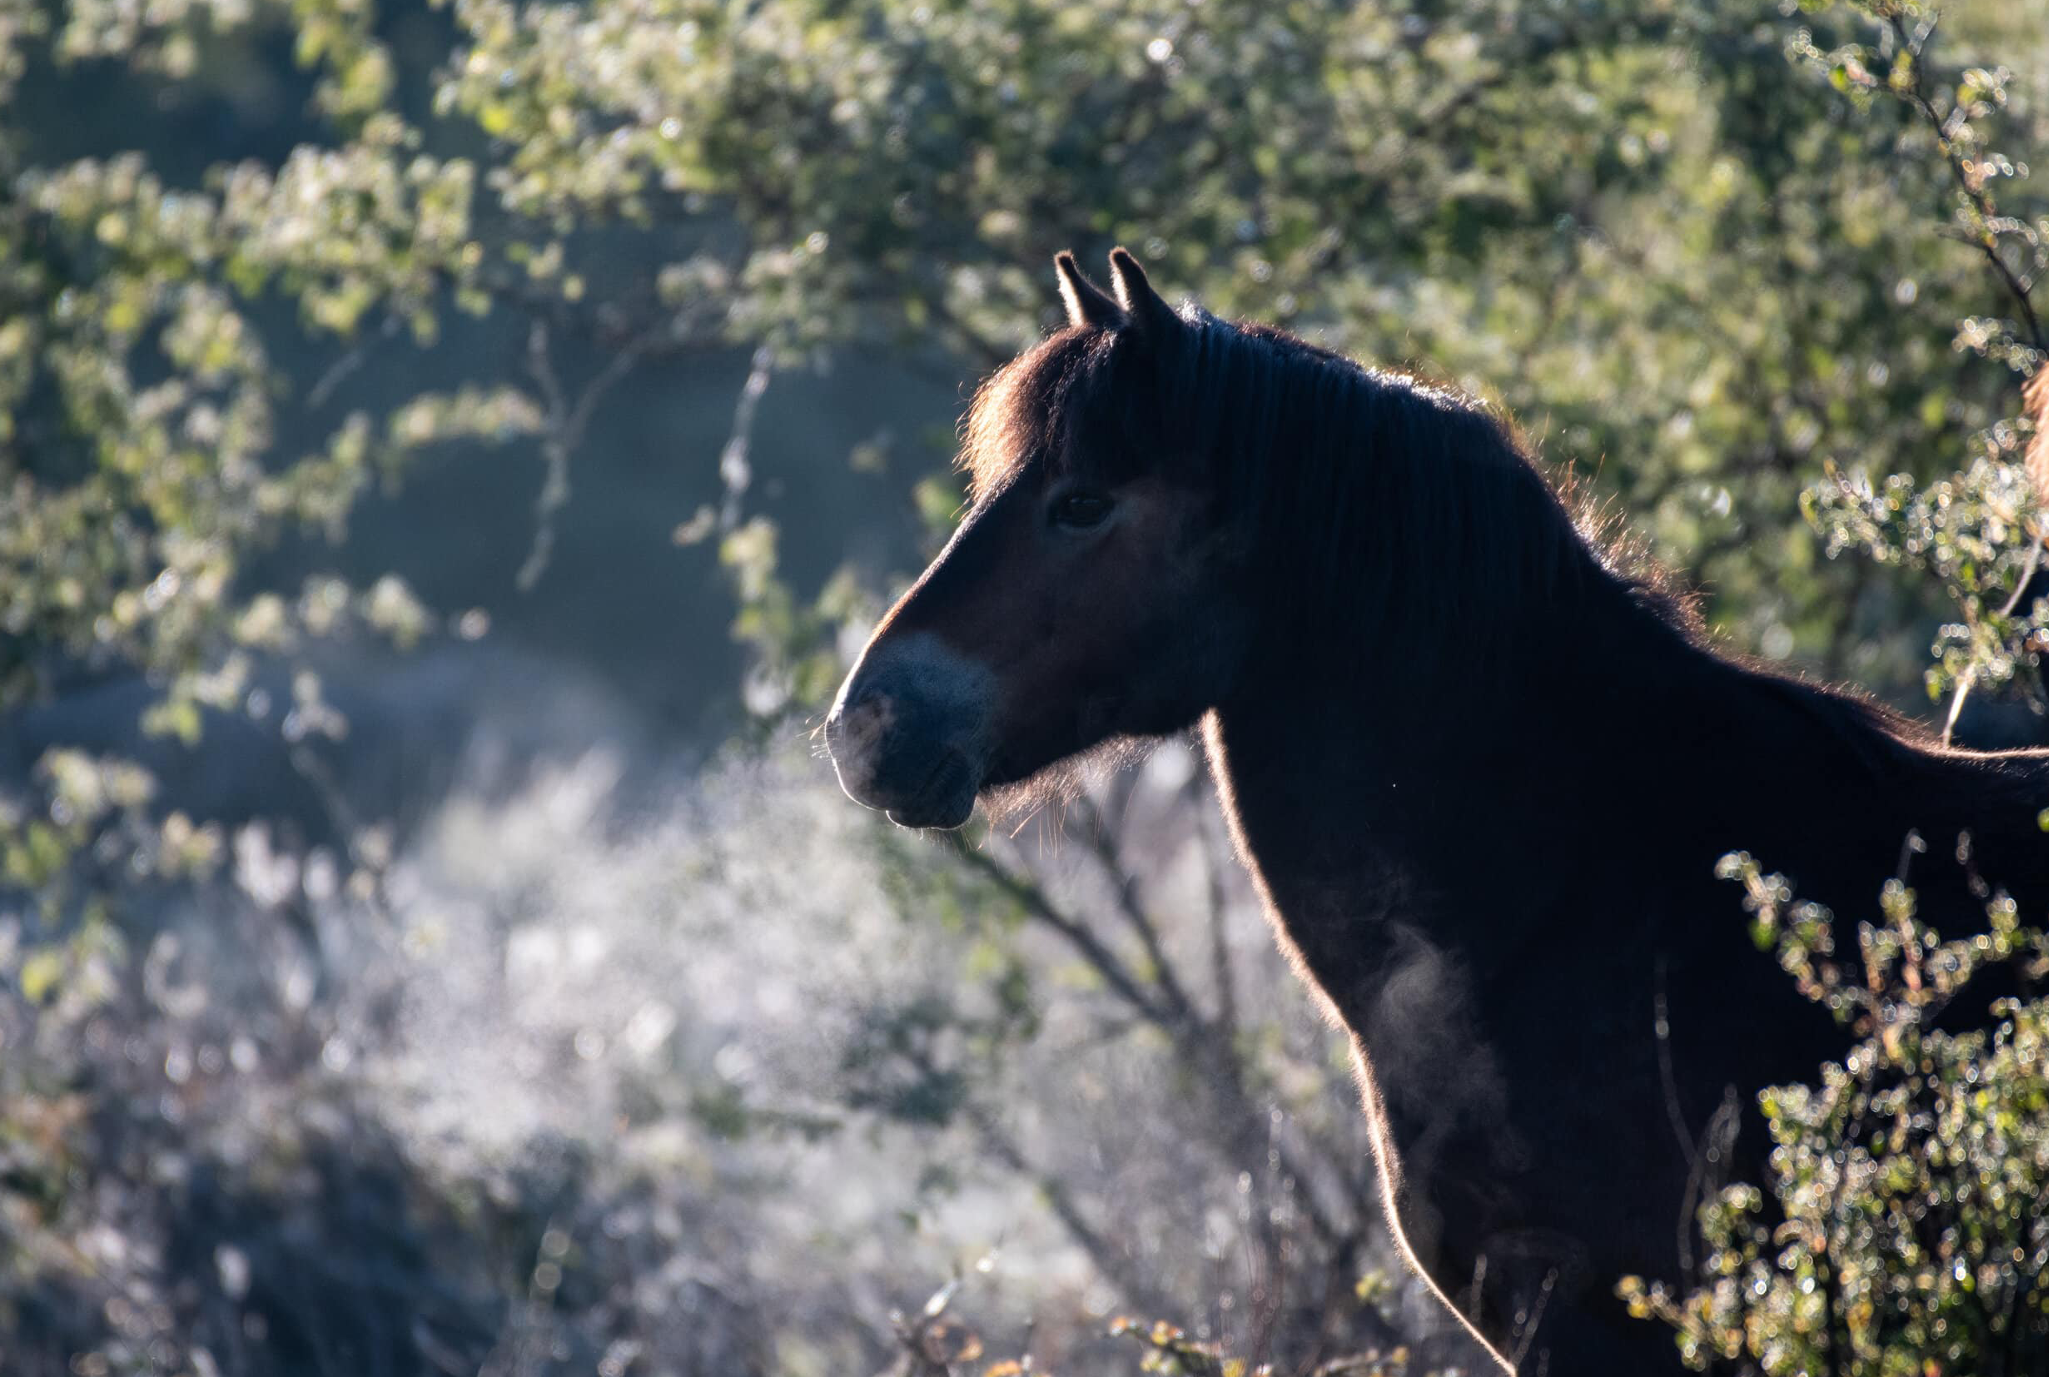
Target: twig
{"points": [[1527, 1334], [337, 373], [1956, 701], [562, 432], [1987, 242], [1124, 884], [1077, 934], [1840, 1348], [1226, 986], [2027, 575], [1675, 1115], [735, 471], [1244, 1123]]}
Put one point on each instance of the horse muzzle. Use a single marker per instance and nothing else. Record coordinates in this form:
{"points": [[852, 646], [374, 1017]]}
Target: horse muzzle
{"points": [[905, 737]]}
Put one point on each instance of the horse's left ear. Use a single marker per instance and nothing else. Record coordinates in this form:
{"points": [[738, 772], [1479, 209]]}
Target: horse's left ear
{"points": [[1086, 302], [1147, 309]]}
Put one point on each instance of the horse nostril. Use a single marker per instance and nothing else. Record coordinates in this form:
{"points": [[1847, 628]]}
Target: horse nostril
{"points": [[858, 724]]}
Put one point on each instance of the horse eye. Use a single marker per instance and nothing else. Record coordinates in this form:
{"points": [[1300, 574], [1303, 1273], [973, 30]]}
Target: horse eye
{"points": [[1081, 509]]}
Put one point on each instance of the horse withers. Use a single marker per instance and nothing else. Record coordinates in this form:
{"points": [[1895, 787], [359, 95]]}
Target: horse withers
{"points": [[1479, 766]]}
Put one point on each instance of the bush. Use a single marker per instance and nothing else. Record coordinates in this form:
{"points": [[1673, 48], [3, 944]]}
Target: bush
{"points": [[1905, 1228]]}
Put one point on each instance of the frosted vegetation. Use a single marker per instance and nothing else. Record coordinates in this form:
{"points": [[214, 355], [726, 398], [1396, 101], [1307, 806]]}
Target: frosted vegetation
{"points": [[666, 1064]]}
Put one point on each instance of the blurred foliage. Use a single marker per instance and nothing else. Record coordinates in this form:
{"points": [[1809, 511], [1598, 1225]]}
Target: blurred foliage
{"points": [[1721, 259]]}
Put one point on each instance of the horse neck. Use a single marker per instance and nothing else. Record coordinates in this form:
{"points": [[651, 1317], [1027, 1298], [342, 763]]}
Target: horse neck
{"points": [[1352, 789], [1603, 776]]}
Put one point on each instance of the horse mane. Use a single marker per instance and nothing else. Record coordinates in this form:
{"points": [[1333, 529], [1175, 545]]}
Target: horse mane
{"points": [[1302, 441], [1359, 481]]}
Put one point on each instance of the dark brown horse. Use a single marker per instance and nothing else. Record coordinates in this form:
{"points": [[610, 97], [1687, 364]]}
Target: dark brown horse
{"points": [[1480, 771]]}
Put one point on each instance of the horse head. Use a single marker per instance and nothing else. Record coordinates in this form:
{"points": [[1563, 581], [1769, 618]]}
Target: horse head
{"points": [[1087, 595]]}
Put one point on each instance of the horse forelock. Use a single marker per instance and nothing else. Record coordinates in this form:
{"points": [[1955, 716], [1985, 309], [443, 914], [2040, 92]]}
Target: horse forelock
{"points": [[1019, 413]]}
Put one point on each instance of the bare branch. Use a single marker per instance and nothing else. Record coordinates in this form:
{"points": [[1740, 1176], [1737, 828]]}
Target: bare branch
{"points": [[1223, 981], [1243, 1125], [1094, 835], [735, 472], [1078, 935], [562, 432]]}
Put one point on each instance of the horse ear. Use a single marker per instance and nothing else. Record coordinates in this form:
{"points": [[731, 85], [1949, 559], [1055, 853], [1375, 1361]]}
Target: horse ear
{"points": [[1087, 304], [1145, 306]]}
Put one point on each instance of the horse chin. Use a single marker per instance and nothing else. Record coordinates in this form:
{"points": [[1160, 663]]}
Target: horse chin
{"points": [[946, 801]]}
